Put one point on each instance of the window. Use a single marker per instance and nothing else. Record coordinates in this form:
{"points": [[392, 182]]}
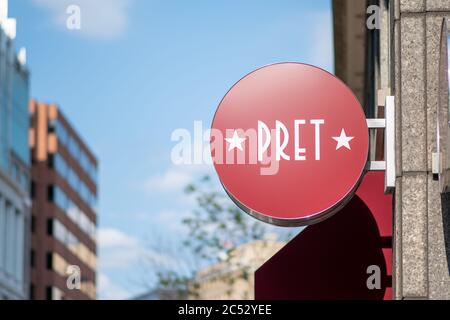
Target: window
{"points": [[50, 193], [33, 189], [15, 169], [24, 180], [10, 238], [33, 224], [32, 294], [84, 161], [65, 171], [73, 180], [60, 166], [61, 133], [92, 172], [74, 148], [52, 125], [84, 222], [32, 253], [50, 227], [60, 233], [51, 161], [48, 293], [49, 261], [76, 151], [75, 214], [61, 199]]}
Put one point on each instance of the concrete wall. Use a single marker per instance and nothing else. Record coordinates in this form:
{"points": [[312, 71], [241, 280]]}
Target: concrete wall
{"points": [[421, 269]]}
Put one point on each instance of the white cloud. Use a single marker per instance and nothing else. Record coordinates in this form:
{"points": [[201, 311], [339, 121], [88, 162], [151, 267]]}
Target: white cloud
{"points": [[172, 179], [108, 290], [123, 255], [137, 263], [176, 178], [105, 19], [110, 238], [118, 250]]}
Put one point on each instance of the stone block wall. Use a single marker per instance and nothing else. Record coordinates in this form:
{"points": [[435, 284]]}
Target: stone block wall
{"points": [[421, 268]]}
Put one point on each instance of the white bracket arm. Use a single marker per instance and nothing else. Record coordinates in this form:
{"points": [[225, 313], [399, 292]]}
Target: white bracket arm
{"points": [[388, 123], [376, 123]]}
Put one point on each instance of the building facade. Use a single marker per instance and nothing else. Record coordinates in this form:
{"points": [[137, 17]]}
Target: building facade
{"points": [[14, 163], [64, 193], [402, 58], [233, 278]]}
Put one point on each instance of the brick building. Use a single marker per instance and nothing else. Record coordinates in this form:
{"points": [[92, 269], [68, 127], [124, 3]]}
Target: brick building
{"points": [[64, 192]]}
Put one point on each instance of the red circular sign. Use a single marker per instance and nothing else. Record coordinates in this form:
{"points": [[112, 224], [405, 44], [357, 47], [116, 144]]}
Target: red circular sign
{"points": [[290, 144]]}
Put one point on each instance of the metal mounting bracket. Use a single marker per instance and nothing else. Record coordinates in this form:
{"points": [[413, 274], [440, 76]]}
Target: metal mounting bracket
{"points": [[388, 123]]}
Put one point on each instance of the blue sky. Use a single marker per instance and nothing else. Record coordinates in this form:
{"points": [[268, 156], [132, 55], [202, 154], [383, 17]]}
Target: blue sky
{"points": [[136, 71]]}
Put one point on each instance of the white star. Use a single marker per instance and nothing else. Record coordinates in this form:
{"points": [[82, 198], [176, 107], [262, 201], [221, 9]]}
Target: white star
{"points": [[343, 140], [235, 142]]}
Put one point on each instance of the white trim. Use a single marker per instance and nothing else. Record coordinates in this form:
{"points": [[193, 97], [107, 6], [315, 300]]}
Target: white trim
{"points": [[388, 123], [389, 144], [377, 166], [376, 123]]}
